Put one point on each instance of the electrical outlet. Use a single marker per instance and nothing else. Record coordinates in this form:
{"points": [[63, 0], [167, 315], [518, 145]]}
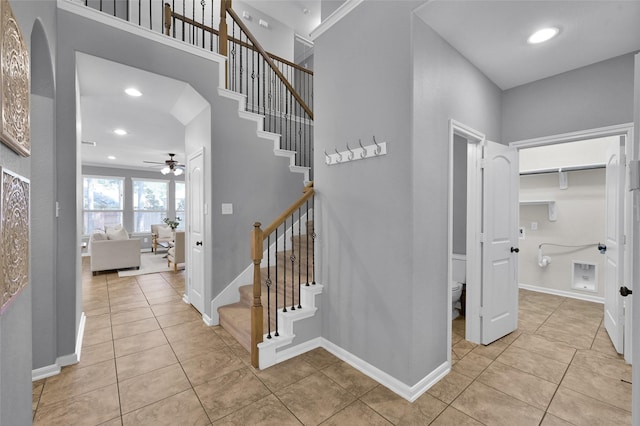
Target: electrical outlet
{"points": [[146, 240], [534, 226]]}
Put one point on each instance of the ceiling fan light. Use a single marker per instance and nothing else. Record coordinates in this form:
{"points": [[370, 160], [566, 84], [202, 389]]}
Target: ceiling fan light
{"points": [[165, 170], [178, 171], [133, 92], [542, 35]]}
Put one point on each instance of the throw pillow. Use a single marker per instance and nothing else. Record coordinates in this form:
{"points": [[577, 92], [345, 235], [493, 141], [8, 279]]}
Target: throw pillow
{"points": [[164, 232], [117, 234], [99, 236]]}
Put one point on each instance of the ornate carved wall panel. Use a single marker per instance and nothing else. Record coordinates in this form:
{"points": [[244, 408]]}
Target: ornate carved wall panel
{"points": [[14, 83], [14, 236]]}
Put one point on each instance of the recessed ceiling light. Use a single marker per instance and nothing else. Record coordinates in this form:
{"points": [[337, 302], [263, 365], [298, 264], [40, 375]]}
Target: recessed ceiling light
{"points": [[132, 91], [111, 157], [120, 132], [543, 35]]}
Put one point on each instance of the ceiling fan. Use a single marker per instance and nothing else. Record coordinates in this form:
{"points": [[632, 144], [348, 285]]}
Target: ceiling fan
{"points": [[170, 166]]}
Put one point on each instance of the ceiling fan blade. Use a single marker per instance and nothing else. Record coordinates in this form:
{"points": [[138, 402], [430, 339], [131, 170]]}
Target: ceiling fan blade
{"points": [[152, 162]]}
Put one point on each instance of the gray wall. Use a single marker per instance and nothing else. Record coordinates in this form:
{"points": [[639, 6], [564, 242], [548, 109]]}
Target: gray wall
{"points": [[594, 96], [636, 247], [459, 195], [364, 207], [446, 86]]}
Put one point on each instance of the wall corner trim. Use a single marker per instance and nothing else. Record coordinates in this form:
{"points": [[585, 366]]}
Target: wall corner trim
{"points": [[64, 360], [334, 18]]}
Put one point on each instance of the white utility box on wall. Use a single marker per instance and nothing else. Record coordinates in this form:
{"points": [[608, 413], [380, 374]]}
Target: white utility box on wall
{"points": [[584, 276]]}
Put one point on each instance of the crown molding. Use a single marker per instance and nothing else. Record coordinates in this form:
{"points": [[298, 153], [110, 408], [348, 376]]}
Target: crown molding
{"points": [[334, 18]]}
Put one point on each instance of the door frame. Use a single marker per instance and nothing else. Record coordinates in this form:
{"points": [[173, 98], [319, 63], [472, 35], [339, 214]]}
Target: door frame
{"points": [[475, 143], [627, 131]]}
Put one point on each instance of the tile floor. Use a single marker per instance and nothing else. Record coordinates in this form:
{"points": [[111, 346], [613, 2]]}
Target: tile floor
{"points": [[148, 359]]}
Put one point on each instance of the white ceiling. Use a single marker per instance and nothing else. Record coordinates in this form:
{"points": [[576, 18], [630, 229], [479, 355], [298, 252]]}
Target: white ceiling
{"points": [[154, 121], [493, 34]]}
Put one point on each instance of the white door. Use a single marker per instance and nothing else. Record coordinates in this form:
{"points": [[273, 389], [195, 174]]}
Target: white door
{"points": [[499, 299], [614, 229], [195, 225]]}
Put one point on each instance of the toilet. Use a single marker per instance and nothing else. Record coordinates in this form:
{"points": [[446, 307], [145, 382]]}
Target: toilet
{"points": [[458, 279]]}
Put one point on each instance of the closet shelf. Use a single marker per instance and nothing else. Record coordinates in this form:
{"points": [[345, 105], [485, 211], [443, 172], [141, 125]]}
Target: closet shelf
{"points": [[553, 214]]}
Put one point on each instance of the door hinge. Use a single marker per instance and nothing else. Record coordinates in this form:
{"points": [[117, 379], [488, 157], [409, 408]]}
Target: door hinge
{"points": [[482, 312], [481, 237], [634, 175]]}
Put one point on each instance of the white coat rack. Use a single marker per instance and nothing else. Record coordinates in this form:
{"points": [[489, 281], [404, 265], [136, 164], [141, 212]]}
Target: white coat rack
{"points": [[359, 153]]}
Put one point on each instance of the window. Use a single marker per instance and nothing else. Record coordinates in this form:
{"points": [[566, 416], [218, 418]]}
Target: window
{"points": [[180, 203], [102, 202], [149, 203]]}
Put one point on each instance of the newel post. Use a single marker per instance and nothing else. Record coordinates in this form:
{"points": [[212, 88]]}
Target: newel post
{"points": [[167, 19], [257, 327], [222, 37]]}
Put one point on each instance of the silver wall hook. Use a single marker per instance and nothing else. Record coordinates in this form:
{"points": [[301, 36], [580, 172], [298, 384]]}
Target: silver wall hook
{"points": [[363, 154], [378, 147], [339, 155], [350, 155]]}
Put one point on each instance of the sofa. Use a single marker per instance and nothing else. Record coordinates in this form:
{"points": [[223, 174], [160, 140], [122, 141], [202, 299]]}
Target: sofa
{"points": [[113, 249]]}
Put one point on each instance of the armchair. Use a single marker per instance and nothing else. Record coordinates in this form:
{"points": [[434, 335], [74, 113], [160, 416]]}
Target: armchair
{"points": [[175, 254], [160, 233]]}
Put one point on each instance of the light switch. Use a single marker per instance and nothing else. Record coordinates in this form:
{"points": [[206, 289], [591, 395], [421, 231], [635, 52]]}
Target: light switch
{"points": [[534, 226], [227, 208]]}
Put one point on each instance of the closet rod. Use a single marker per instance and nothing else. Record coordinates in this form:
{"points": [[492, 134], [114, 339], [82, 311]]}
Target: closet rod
{"points": [[563, 169]]}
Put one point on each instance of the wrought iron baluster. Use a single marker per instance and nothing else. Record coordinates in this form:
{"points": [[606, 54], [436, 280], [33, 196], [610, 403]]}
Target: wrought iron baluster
{"points": [[193, 27], [276, 310], [293, 265], [284, 259], [299, 255], [203, 2], [253, 81], [241, 69], [114, 8], [307, 242], [183, 13], [211, 33], [268, 283]]}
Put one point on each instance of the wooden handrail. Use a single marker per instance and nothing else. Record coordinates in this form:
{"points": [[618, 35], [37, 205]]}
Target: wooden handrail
{"points": [[172, 14], [269, 61], [307, 193]]}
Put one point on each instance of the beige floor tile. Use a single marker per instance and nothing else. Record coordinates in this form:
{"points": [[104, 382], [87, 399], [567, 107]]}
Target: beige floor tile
{"points": [[463, 347], [96, 353], [492, 407], [214, 364], [171, 308], [453, 417], [179, 318], [602, 343], [285, 373], [96, 322], [91, 408], [349, 378], [139, 342], [455, 338], [606, 389], [36, 391], [551, 420], [314, 398], [491, 351], [126, 300], [158, 300], [518, 384], [532, 363], [534, 317], [580, 409], [240, 388], [450, 386], [614, 367], [267, 411], [472, 365], [189, 330], [578, 341], [133, 328], [114, 422], [73, 381], [356, 414], [201, 344], [95, 337], [181, 409], [565, 324], [145, 361], [130, 315], [151, 387], [542, 346], [320, 358], [398, 410]]}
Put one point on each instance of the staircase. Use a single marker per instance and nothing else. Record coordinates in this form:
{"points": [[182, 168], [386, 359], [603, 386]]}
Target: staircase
{"points": [[236, 317]]}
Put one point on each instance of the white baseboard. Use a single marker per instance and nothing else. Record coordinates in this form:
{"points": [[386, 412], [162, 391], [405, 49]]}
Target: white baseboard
{"points": [[410, 393], [64, 360], [563, 293], [207, 320]]}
